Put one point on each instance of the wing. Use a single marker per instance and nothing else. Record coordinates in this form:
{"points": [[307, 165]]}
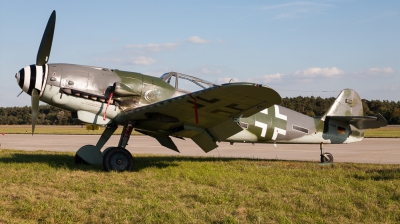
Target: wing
{"points": [[206, 116], [362, 122]]}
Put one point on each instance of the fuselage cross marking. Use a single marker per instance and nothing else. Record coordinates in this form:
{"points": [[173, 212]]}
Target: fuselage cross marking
{"points": [[274, 120]]}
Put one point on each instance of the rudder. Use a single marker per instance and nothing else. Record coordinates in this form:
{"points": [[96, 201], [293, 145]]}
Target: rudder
{"points": [[348, 103]]}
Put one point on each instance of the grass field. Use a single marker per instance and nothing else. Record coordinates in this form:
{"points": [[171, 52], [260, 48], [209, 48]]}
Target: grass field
{"points": [[392, 131], [47, 187]]}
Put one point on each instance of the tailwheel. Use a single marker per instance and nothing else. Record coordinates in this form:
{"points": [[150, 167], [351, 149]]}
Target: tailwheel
{"points": [[117, 159], [326, 158]]}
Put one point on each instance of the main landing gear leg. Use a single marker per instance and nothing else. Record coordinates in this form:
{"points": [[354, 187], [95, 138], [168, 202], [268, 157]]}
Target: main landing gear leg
{"points": [[118, 158], [325, 157], [91, 154]]}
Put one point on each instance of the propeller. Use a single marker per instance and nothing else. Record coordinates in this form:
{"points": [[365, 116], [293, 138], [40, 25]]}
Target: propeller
{"points": [[47, 40], [35, 108], [41, 59]]}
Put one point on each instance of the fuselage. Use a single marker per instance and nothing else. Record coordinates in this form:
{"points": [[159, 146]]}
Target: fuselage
{"points": [[86, 91]]}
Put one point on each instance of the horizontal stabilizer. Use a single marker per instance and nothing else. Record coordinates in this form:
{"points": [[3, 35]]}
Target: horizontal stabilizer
{"points": [[362, 122]]}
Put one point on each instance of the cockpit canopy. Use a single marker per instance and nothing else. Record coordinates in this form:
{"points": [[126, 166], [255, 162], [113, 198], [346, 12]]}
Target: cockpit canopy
{"points": [[186, 83]]}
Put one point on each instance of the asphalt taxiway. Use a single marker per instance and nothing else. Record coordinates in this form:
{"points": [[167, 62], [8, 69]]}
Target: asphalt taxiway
{"points": [[370, 150]]}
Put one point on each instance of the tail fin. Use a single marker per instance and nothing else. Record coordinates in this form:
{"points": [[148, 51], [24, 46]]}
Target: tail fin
{"points": [[348, 103], [348, 108]]}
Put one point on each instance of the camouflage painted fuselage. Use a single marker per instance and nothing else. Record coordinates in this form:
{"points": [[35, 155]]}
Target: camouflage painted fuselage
{"points": [[278, 124], [85, 91]]}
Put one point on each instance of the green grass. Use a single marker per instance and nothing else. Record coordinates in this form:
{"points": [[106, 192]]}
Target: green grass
{"points": [[48, 187], [392, 131]]}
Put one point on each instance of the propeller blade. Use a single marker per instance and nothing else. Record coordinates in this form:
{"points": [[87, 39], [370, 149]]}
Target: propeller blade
{"points": [[20, 93], [35, 108], [47, 40]]}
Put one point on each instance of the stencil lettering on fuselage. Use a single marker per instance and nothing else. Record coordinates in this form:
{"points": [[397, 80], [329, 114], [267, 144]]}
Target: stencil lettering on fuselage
{"points": [[278, 122]]}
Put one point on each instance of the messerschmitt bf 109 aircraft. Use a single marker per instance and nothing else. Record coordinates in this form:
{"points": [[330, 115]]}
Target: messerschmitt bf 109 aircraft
{"points": [[180, 106]]}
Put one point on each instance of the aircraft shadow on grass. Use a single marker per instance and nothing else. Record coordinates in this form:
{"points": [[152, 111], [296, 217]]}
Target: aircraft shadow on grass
{"points": [[60, 161], [55, 161], [140, 162]]}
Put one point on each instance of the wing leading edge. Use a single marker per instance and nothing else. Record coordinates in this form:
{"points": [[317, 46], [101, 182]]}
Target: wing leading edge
{"points": [[206, 116]]}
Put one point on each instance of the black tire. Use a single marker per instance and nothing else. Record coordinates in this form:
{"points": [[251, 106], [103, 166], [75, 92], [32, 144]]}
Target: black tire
{"points": [[79, 160], [326, 158], [117, 159]]}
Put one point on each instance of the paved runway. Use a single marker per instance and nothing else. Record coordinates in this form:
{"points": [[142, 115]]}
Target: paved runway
{"points": [[370, 150]]}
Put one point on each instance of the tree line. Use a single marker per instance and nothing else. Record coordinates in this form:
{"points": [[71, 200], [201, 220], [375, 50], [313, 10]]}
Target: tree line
{"points": [[311, 106], [317, 106], [48, 115]]}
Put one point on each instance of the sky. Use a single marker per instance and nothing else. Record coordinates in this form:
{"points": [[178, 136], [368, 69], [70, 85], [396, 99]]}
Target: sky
{"points": [[298, 48]]}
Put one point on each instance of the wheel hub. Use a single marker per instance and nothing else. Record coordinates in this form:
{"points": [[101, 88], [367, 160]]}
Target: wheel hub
{"points": [[118, 159]]}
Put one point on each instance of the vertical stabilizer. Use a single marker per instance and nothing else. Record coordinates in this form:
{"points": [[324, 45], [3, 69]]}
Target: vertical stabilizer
{"points": [[348, 103]]}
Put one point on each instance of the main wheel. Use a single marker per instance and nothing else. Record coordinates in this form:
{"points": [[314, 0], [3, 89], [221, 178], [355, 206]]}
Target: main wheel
{"points": [[326, 158], [118, 159]]}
